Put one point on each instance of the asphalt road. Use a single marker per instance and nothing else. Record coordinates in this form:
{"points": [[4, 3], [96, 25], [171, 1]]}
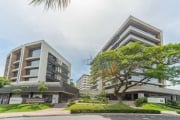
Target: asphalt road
{"points": [[102, 117]]}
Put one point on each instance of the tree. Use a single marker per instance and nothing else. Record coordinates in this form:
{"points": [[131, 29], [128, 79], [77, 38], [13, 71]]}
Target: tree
{"points": [[17, 91], [52, 4], [72, 83], [136, 59], [20, 89], [42, 87], [4, 81]]}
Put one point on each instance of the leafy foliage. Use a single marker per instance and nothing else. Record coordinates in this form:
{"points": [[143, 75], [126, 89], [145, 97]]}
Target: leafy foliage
{"points": [[3, 82], [146, 63], [52, 4], [100, 108], [140, 101], [42, 87], [117, 111], [17, 91]]}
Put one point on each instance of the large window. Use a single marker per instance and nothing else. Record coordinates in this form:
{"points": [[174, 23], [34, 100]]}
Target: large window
{"points": [[16, 65], [32, 72], [35, 52], [33, 63], [51, 57], [15, 74]]}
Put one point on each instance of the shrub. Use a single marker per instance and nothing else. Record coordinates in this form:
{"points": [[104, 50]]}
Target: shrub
{"points": [[178, 112], [85, 96], [172, 103], [102, 100], [71, 103], [115, 111], [140, 101]]}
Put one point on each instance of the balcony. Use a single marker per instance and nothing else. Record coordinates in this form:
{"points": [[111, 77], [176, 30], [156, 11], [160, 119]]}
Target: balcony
{"points": [[29, 76], [31, 67], [33, 58], [129, 32], [51, 79], [17, 61], [13, 78], [16, 69]]}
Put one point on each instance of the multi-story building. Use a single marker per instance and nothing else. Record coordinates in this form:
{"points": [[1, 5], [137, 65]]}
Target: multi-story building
{"points": [[132, 30], [37, 62], [83, 83]]}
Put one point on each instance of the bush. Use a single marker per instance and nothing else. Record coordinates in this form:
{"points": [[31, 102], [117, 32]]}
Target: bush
{"points": [[85, 96], [102, 100], [140, 101], [178, 112], [71, 103], [115, 111], [172, 103]]}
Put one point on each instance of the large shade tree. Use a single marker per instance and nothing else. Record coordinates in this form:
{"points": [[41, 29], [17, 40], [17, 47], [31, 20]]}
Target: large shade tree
{"points": [[136, 59], [51, 4]]}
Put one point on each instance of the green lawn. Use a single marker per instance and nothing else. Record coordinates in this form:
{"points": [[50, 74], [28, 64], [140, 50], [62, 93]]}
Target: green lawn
{"points": [[98, 106], [160, 107], [23, 107]]}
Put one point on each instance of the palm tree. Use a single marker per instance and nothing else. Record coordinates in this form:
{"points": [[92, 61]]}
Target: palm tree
{"points": [[51, 4]]}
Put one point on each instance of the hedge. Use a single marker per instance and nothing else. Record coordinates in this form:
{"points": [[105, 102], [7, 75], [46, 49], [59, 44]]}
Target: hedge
{"points": [[140, 101], [178, 112], [71, 103], [116, 111]]}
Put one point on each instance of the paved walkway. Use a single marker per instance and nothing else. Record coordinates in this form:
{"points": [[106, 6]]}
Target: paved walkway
{"points": [[46, 112], [169, 112]]}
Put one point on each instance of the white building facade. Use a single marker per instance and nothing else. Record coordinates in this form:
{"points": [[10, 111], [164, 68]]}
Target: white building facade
{"points": [[133, 30], [33, 63], [83, 83]]}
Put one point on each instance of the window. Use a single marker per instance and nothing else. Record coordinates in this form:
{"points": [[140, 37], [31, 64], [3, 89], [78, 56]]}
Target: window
{"points": [[32, 72], [51, 57], [15, 74], [35, 52], [16, 65], [33, 63]]}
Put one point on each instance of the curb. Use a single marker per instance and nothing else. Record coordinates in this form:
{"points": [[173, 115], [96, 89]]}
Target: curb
{"points": [[18, 116], [106, 114]]}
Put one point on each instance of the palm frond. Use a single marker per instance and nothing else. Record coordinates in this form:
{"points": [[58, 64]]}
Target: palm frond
{"points": [[51, 4]]}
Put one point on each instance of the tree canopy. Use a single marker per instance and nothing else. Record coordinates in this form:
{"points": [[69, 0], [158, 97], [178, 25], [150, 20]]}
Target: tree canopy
{"points": [[4, 81], [136, 64]]}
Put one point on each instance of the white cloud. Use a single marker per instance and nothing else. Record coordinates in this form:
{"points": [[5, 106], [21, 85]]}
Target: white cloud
{"points": [[81, 30]]}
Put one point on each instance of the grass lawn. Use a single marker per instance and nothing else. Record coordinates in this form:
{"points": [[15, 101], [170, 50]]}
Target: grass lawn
{"points": [[98, 106], [160, 107], [23, 107]]}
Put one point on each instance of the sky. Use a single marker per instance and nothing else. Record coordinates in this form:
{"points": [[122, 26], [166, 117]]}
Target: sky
{"points": [[80, 31]]}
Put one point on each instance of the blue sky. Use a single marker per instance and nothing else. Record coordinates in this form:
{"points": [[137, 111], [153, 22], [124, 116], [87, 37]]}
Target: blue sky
{"points": [[83, 28]]}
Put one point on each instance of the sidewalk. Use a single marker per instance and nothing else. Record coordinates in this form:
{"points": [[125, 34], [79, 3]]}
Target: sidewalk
{"points": [[46, 112], [169, 113], [61, 111]]}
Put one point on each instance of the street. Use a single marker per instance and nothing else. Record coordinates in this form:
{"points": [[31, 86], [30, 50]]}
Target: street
{"points": [[102, 117]]}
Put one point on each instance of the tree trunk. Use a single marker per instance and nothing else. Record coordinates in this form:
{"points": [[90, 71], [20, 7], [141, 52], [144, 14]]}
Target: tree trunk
{"points": [[119, 98]]}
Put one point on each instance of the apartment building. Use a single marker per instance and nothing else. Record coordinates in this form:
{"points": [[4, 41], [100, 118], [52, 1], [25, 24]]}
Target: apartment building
{"points": [[36, 62], [132, 30], [83, 83]]}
